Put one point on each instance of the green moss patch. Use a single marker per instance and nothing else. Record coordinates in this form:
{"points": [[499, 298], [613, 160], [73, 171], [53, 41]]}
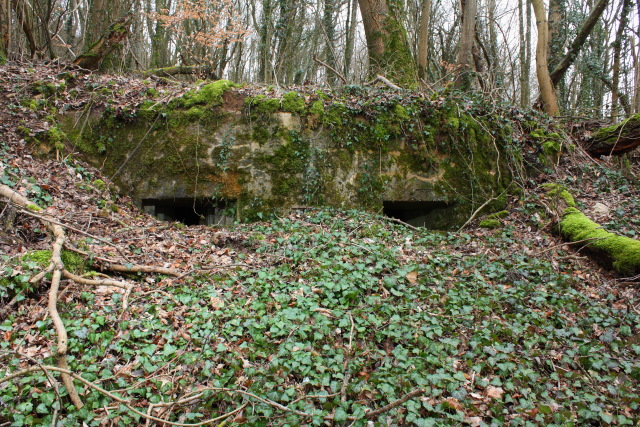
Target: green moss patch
{"points": [[490, 223], [72, 261], [621, 253], [209, 94], [559, 192]]}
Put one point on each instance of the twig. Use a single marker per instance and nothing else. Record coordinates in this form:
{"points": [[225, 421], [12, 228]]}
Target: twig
{"points": [[103, 282], [399, 221], [330, 68], [127, 403], [4, 310], [345, 381], [384, 80], [629, 279], [210, 268], [473, 216], [141, 269], [412, 394], [69, 227], [589, 240]]}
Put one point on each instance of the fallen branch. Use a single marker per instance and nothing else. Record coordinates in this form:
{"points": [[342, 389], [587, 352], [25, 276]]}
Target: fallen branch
{"points": [[69, 227], [330, 68], [384, 81], [102, 282], [133, 268], [399, 221], [475, 213], [207, 72], [410, 395]]}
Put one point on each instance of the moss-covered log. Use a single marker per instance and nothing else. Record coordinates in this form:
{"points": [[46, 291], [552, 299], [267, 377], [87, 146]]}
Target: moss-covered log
{"points": [[207, 72], [619, 252], [615, 140], [92, 59]]}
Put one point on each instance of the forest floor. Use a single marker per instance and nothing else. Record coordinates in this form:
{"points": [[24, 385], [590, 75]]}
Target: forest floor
{"points": [[322, 317]]}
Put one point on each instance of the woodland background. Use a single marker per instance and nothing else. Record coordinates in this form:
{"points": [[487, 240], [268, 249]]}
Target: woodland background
{"points": [[587, 55]]}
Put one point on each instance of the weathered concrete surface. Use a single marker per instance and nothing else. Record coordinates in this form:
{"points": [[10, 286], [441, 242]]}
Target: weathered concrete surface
{"points": [[320, 153]]}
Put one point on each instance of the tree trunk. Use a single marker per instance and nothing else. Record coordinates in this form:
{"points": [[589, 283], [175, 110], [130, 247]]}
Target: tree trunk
{"points": [[464, 79], [387, 44], [329, 26], [423, 40], [92, 59], [636, 69], [101, 13], [525, 42], [617, 47], [26, 22], [351, 37], [547, 93], [559, 71], [557, 31], [613, 140], [266, 33], [5, 30]]}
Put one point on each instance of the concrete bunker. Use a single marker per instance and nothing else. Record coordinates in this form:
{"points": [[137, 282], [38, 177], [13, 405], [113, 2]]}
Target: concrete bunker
{"points": [[430, 214], [191, 211]]}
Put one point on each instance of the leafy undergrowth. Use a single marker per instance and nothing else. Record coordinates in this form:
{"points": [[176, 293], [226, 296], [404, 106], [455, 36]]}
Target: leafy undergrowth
{"points": [[349, 314], [322, 317]]}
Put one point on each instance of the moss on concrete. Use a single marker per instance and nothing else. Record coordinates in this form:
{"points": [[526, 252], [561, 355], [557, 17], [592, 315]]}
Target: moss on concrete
{"points": [[293, 103], [340, 152], [209, 94], [619, 252]]}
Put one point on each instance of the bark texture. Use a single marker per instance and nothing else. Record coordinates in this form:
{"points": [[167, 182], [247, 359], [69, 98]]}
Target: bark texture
{"points": [[547, 93], [614, 140], [388, 48], [92, 59]]}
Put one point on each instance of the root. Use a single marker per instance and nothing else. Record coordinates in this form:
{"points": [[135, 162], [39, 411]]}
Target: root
{"points": [[57, 267]]}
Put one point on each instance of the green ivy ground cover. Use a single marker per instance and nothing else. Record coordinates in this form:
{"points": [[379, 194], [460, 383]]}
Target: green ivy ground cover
{"points": [[351, 314]]}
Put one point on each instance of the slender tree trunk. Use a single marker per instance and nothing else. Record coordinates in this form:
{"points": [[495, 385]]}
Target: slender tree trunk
{"points": [[557, 31], [525, 40], [557, 39], [265, 42], [5, 30], [25, 19], [542, 69], [493, 41], [617, 47], [423, 40], [329, 26], [467, 39], [71, 24], [636, 70], [350, 37], [387, 44]]}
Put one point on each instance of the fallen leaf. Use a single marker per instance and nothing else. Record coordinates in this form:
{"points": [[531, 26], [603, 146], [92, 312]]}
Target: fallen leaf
{"points": [[494, 392], [473, 421], [412, 277]]}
